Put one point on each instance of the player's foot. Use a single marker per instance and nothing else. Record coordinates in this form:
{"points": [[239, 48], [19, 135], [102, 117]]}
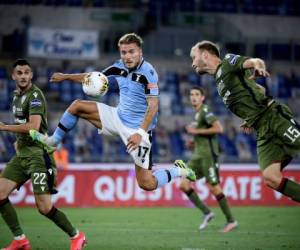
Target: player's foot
{"points": [[39, 137], [229, 226], [185, 170], [23, 244], [206, 218], [78, 242]]}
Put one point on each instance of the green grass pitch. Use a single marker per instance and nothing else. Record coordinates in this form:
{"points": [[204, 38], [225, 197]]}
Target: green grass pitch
{"points": [[260, 228]]}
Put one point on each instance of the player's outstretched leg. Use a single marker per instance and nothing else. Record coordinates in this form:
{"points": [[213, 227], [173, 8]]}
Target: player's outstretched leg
{"points": [[229, 226], [78, 241], [273, 178], [10, 217], [19, 244], [164, 176], [185, 170], [66, 123], [208, 215], [206, 219], [223, 203]]}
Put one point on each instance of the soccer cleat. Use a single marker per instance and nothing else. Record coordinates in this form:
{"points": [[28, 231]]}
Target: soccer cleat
{"points": [[78, 242], [39, 137], [23, 244], [185, 170], [229, 226], [206, 218]]}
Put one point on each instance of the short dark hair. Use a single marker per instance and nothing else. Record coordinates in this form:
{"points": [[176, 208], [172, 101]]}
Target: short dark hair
{"points": [[131, 38], [211, 47], [21, 62], [199, 89]]}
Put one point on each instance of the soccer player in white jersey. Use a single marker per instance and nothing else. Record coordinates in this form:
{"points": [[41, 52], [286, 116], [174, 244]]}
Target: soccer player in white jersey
{"points": [[133, 118]]}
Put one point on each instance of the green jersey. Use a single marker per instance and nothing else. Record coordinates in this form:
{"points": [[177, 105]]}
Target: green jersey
{"points": [[32, 102], [241, 95], [205, 145]]}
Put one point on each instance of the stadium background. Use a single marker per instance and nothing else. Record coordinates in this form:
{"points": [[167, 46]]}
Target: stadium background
{"points": [[81, 35]]}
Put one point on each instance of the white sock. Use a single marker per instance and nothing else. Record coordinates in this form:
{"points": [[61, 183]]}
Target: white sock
{"points": [[76, 235], [21, 237]]}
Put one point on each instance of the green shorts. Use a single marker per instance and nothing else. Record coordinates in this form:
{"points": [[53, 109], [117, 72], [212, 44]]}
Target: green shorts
{"points": [[207, 167], [40, 168], [278, 136]]}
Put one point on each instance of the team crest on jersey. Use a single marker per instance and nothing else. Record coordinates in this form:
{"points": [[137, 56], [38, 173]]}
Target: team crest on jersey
{"points": [[36, 103], [232, 58], [35, 94]]}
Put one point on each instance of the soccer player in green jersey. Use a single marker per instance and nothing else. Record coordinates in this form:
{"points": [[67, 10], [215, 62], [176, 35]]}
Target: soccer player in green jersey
{"points": [[277, 133], [31, 161], [204, 160]]}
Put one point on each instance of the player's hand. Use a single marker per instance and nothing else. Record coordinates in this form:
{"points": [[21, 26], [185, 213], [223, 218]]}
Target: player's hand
{"points": [[57, 77], [192, 130], [133, 142], [259, 69], [246, 129]]}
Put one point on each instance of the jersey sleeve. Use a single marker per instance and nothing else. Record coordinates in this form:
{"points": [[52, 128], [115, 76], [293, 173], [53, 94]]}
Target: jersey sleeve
{"points": [[209, 116], [234, 62], [151, 87], [37, 103]]}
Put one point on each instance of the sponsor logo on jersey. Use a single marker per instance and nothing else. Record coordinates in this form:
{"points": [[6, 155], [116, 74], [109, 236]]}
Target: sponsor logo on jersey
{"points": [[35, 103]]}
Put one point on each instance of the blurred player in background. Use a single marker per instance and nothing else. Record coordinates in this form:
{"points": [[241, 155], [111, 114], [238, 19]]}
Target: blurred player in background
{"points": [[132, 120], [277, 133], [204, 160], [31, 161], [61, 157]]}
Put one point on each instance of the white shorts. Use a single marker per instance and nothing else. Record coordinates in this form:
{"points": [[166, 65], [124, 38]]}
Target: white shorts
{"points": [[112, 125]]}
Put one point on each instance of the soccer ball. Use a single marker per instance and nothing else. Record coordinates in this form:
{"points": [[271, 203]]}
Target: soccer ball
{"points": [[95, 84]]}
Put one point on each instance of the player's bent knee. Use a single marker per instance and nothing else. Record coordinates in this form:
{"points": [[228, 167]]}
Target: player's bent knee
{"points": [[3, 196], [271, 180], [184, 187], [74, 107], [146, 184], [215, 189], [44, 209]]}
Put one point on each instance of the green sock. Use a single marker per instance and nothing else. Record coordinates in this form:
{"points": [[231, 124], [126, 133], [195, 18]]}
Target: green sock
{"points": [[224, 207], [61, 220], [290, 189], [193, 196], [10, 217]]}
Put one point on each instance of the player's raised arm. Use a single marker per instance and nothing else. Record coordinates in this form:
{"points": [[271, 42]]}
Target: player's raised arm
{"points": [[258, 66], [59, 77]]}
